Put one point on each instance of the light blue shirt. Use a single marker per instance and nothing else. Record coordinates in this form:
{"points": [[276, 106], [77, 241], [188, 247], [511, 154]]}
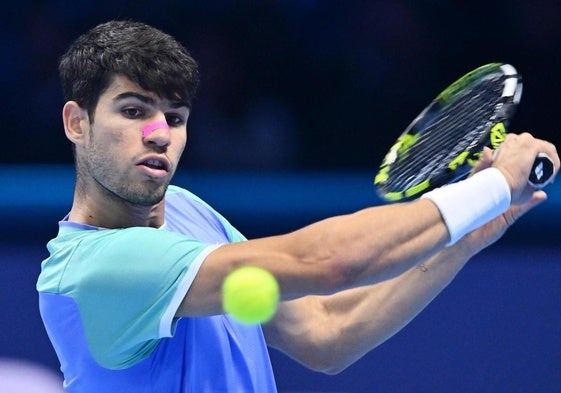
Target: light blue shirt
{"points": [[108, 299]]}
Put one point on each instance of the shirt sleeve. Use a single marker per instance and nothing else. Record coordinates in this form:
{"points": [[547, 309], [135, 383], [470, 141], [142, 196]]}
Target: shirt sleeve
{"points": [[233, 234], [128, 284]]}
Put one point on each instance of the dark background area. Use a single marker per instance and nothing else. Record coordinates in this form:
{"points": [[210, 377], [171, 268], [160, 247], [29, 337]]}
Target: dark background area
{"points": [[298, 103], [290, 84]]}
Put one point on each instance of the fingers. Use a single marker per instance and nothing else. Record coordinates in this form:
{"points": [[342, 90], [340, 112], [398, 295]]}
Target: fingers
{"points": [[485, 160], [515, 158], [517, 211]]}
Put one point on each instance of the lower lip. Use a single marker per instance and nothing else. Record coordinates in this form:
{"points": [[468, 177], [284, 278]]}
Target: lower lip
{"points": [[153, 172]]}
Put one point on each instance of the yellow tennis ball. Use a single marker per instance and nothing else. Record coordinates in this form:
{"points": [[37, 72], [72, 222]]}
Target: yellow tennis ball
{"points": [[250, 294]]}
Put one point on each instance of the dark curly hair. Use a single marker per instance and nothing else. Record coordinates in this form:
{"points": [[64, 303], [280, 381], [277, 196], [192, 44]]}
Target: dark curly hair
{"points": [[147, 56]]}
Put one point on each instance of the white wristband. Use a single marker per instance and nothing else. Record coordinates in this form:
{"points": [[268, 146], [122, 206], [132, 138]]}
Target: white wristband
{"points": [[470, 203]]}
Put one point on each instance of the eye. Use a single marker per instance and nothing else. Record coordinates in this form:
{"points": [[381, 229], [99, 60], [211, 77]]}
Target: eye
{"points": [[132, 112], [174, 120]]}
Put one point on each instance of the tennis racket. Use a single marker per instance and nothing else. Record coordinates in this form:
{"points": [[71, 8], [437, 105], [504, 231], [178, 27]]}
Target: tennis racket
{"points": [[445, 141]]}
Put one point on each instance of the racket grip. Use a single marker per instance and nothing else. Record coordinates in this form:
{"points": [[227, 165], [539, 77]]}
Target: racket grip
{"points": [[542, 171]]}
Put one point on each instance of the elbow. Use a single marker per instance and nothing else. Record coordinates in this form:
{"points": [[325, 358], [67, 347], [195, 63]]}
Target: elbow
{"points": [[326, 366], [325, 356], [332, 370]]}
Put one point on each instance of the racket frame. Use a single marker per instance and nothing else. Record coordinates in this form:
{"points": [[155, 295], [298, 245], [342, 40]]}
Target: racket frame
{"points": [[459, 166]]}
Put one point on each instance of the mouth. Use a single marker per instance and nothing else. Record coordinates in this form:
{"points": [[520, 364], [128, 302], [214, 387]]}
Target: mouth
{"points": [[155, 166]]}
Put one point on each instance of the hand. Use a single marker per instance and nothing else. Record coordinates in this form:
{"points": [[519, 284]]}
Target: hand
{"points": [[515, 157], [489, 233]]}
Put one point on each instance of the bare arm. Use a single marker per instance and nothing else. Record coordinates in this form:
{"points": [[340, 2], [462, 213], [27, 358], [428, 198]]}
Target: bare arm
{"points": [[351, 253], [331, 332], [335, 254]]}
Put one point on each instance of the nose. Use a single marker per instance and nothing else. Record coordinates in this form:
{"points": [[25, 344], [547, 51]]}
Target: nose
{"points": [[157, 132]]}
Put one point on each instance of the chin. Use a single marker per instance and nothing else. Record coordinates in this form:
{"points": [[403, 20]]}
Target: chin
{"points": [[153, 198], [145, 197]]}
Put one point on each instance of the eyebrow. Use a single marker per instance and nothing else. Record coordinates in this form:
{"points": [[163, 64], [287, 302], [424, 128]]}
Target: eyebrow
{"points": [[147, 100]]}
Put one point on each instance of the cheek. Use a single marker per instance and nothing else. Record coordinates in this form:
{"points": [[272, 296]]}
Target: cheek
{"points": [[105, 148], [181, 142], [179, 150], [107, 138]]}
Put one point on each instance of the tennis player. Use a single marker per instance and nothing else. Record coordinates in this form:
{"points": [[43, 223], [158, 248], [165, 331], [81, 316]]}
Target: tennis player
{"points": [[130, 294]]}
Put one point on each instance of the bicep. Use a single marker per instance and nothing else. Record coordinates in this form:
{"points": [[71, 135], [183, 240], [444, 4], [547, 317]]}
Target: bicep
{"points": [[205, 294], [297, 260]]}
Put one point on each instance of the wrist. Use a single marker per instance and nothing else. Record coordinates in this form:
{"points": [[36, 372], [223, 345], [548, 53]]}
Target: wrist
{"points": [[471, 203]]}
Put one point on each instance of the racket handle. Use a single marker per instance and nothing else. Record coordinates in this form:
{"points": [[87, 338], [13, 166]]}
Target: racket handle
{"points": [[542, 171]]}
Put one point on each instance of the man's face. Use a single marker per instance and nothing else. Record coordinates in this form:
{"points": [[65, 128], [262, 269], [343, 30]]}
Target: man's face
{"points": [[134, 143]]}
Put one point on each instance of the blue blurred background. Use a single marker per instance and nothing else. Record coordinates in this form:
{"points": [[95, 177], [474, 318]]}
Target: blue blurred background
{"points": [[299, 101]]}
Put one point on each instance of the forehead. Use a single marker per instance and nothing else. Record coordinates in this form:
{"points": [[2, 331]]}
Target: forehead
{"points": [[121, 84], [121, 87]]}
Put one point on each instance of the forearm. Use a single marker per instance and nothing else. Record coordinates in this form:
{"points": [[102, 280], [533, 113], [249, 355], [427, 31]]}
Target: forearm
{"points": [[381, 243], [349, 251], [369, 246], [349, 324], [386, 308], [329, 333]]}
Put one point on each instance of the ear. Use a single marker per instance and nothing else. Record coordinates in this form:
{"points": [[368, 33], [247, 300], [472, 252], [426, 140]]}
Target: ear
{"points": [[76, 122]]}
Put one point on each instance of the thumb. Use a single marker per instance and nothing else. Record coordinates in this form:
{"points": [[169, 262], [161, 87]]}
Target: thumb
{"points": [[517, 211], [485, 160], [492, 231]]}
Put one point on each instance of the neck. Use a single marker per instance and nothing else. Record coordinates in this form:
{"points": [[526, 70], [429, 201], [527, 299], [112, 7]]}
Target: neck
{"points": [[102, 209]]}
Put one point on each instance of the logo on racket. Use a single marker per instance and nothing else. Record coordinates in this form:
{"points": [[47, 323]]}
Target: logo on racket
{"points": [[497, 135], [538, 171]]}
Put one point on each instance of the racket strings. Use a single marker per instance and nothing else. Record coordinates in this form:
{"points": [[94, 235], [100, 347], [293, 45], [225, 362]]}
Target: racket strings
{"points": [[458, 127]]}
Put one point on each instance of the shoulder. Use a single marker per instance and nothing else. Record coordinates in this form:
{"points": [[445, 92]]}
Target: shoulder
{"points": [[88, 255], [176, 195], [190, 215]]}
